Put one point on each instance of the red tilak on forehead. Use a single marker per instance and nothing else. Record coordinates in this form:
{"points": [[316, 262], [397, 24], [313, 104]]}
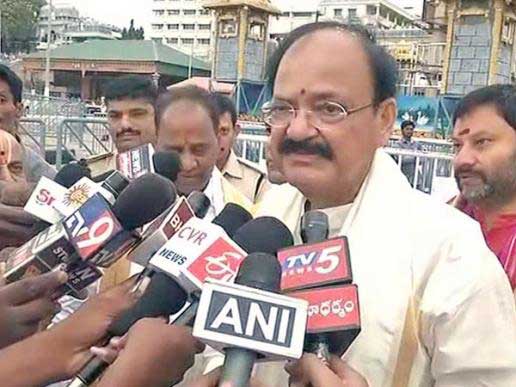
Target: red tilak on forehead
{"points": [[303, 92]]}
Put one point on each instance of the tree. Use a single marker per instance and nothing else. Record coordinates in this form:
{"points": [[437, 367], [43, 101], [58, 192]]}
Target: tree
{"points": [[19, 22], [133, 33]]}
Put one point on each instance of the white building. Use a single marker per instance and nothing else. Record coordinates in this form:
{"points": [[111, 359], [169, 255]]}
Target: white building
{"points": [[67, 26], [379, 14], [186, 26], [295, 13], [183, 24]]}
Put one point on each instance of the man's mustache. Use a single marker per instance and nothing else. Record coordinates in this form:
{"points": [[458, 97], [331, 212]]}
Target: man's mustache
{"points": [[307, 147], [127, 131], [469, 171]]}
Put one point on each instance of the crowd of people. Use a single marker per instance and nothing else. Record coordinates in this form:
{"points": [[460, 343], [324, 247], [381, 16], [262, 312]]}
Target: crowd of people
{"points": [[437, 281]]}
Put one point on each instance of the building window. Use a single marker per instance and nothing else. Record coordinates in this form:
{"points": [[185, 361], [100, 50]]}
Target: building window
{"points": [[286, 14], [189, 12], [157, 27], [337, 12], [172, 40], [256, 30], [371, 10], [187, 41], [173, 12], [159, 12], [157, 40], [173, 26], [189, 27], [228, 28], [302, 14], [508, 31], [352, 12], [203, 41], [204, 27], [204, 12]]}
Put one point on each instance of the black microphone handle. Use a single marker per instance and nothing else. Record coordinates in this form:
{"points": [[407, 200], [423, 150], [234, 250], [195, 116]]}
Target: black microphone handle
{"points": [[315, 228], [238, 366], [90, 373], [187, 318]]}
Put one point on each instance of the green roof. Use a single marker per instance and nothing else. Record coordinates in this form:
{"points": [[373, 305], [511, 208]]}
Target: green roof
{"points": [[126, 50]]}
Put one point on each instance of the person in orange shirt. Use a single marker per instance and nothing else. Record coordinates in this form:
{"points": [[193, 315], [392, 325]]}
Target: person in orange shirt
{"points": [[484, 137]]}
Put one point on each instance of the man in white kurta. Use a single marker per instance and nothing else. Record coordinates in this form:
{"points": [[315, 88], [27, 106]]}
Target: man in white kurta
{"points": [[426, 279], [436, 307]]}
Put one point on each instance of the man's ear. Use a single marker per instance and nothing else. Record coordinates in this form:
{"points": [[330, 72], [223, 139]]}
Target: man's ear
{"points": [[386, 114], [19, 110]]}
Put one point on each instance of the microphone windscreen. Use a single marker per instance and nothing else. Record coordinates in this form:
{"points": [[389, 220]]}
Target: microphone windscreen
{"points": [[167, 164], [265, 235], [315, 227], [163, 297], [71, 174], [260, 271], [232, 217], [200, 203], [143, 200]]}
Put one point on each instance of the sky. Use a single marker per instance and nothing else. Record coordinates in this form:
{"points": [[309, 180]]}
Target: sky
{"points": [[120, 12]]}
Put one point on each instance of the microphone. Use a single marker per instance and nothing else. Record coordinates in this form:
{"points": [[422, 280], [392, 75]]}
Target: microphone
{"points": [[333, 319], [50, 247], [167, 164], [136, 162], [114, 183], [317, 262], [48, 192], [157, 233], [248, 319], [200, 203], [40, 254], [230, 215], [202, 250], [221, 260], [163, 297], [333, 314], [71, 173], [95, 223]]}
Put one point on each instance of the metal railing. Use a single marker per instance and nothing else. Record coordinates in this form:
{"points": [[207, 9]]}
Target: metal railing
{"points": [[424, 170], [34, 131], [82, 137], [71, 138]]}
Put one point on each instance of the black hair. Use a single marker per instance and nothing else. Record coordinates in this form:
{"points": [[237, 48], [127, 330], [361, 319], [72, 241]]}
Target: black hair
{"points": [[383, 65], [192, 94], [131, 87], [502, 97], [224, 105], [406, 123], [13, 81]]}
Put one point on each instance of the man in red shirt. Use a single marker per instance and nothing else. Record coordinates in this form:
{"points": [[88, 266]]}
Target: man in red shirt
{"points": [[484, 136]]}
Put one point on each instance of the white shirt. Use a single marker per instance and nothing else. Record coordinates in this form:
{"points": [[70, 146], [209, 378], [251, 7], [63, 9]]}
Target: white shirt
{"points": [[215, 193]]}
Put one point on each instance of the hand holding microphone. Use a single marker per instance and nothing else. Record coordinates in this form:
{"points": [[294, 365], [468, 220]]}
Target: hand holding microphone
{"points": [[58, 353], [309, 371], [155, 354], [24, 304]]}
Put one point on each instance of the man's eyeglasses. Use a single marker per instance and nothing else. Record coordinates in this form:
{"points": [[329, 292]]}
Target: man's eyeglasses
{"points": [[279, 114]]}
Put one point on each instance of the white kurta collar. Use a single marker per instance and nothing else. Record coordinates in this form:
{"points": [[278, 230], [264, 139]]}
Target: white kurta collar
{"points": [[215, 193]]}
